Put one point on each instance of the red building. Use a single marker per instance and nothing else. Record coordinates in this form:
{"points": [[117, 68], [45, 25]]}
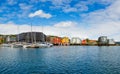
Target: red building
{"points": [[57, 41], [84, 42]]}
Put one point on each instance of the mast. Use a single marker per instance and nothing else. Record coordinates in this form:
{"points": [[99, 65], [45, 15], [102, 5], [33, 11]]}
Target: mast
{"points": [[28, 39], [18, 33], [31, 34], [43, 34], [35, 37]]}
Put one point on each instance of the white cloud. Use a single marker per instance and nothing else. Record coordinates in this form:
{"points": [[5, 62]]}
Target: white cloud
{"points": [[12, 2], [79, 6], [41, 14], [104, 21], [94, 24], [65, 24], [24, 6], [70, 9], [65, 28]]}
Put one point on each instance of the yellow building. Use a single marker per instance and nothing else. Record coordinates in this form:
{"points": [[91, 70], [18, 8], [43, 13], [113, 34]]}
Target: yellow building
{"points": [[65, 41]]}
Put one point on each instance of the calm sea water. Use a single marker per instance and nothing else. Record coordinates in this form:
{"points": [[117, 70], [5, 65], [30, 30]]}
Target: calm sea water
{"points": [[61, 60]]}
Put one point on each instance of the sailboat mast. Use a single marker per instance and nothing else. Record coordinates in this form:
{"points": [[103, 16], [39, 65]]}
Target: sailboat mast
{"points": [[35, 37], [18, 33], [31, 34], [43, 34]]}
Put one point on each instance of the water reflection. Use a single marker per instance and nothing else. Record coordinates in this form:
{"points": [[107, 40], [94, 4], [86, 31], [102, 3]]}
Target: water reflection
{"points": [[64, 59]]}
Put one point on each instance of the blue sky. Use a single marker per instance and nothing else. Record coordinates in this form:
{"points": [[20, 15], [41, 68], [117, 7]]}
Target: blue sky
{"points": [[18, 11], [81, 18]]}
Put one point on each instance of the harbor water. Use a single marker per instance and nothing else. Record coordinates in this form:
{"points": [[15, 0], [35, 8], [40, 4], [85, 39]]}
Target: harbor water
{"points": [[61, 60]]}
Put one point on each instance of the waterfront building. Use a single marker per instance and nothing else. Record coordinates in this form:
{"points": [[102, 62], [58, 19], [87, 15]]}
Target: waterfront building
{"points": [[102, 40], [31, 37], [11, 38], [65, 41], [111, 42], [1, 40], [92, 42], [117, 43], [50, 39], [57, 41], [84, 42], [75, 41]]}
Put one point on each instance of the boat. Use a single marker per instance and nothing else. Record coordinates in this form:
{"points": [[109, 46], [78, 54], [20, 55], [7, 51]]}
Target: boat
{"points": [[30, 46], [16, 45], [44, 45], [6, 45], [33, 44]]}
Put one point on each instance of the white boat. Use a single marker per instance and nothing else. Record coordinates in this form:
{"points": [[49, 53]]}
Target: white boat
{"points": [[49, 44], [44, 44], [17, 45], [30, 46], [6, 45]]}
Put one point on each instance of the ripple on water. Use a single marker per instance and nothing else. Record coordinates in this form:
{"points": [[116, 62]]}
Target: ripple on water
{"points": [[61, 60]]}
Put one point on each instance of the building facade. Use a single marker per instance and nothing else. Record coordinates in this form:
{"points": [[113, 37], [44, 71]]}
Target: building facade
{"points": [[84, 42], [65, 41], [111, 42], [102, 40], [92, 42], [1, 40], [11, 38], [31, 37], [57, 41], [50, 39], [75, 41]]}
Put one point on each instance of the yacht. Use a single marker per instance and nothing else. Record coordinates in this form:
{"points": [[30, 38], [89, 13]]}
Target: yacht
{"points": [[6, 45], [29, 45], [16, 45], [44, 44]]}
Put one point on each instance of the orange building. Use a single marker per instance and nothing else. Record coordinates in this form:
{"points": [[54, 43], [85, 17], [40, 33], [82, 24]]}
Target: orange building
{"points": [[57, 41], [84, 42], [50, 39], [65, 41]]}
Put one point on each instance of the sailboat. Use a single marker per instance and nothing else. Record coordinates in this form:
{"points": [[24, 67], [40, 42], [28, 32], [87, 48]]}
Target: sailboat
{"points": [[31, 45], [44, 44], [7, 44], [17, 44]]}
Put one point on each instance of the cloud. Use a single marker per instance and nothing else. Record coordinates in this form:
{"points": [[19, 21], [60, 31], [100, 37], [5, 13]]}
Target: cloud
{"points": [[67, 28], [41, 14], [24, 6], [77, 6], [65, 24], [58, 29], [12, 2], [69, 9], [104, 21], [92, 25]]}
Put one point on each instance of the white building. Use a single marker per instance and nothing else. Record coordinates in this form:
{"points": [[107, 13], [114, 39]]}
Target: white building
{"points": [[75, 40], [111, 41], [10, 39]]}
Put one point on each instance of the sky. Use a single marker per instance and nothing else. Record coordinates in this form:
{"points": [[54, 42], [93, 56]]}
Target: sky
{"points": [[72, 18]]}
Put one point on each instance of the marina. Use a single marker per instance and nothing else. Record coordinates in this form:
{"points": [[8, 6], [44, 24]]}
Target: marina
{"points": [[59, 37]]}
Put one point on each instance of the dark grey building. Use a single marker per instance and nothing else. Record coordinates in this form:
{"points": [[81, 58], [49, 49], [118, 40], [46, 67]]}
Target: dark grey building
{"points": [[31, 37], [102, 40]]}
